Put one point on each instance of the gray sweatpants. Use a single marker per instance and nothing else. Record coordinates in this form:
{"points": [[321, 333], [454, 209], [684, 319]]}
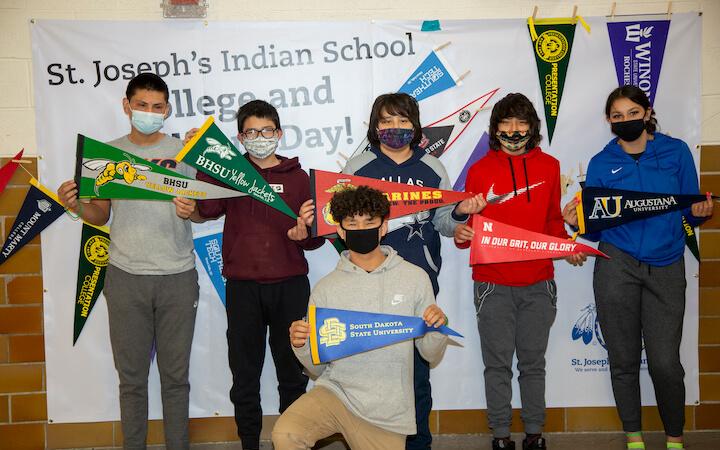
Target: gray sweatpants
{"points": [[515, 319], [143, 308], [634, 301]]}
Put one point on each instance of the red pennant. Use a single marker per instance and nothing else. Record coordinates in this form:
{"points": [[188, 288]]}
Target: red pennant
{"points": [[404, 198], [8, 170], [496, 242]]}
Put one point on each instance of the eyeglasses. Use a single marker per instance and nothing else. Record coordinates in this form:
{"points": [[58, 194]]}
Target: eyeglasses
{"points": [[251, 133]]}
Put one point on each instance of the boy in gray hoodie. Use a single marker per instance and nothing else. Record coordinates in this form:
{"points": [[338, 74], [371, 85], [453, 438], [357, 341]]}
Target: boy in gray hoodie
{"points": [[368, 397]]}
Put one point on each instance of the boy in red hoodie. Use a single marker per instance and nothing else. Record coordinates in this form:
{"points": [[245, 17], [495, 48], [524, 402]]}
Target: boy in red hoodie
{"points": [[266, 270], [515, 302]]}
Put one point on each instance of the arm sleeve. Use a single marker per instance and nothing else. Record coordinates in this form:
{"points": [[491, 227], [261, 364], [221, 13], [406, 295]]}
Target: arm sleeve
{"points": [[303, 353], [445, 220], [211, 209], [689, 182], [433, 344]]}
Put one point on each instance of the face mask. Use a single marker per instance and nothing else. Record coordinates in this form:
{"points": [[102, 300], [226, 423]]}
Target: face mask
{"points": [[513, 142], [629, 130], [261, 147], [147, 122], [396, 138], [362, 241]]}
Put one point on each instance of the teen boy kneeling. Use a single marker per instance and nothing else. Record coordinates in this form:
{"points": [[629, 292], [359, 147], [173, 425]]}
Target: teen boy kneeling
{"points": [[368, 397]]}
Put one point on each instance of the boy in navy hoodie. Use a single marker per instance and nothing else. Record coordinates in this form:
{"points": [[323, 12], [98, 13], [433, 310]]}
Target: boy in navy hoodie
{"points": [[394, 133]]}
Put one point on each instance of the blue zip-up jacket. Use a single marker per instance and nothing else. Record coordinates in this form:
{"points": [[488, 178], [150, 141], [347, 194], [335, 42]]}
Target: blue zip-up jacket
{"points": [[666, 166], [415, 237]]}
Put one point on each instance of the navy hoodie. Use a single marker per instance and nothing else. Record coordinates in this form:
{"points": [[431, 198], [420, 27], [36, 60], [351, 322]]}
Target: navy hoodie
{"points": [[415, 237]]}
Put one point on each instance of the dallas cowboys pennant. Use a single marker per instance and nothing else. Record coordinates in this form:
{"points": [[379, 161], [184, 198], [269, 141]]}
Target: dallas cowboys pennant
{"points": [[404, 199], [496, 242], [337, 333]]}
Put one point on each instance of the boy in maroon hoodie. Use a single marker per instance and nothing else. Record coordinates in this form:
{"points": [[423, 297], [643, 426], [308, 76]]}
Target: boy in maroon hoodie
{"points": [[515, 301], [266, 270]]}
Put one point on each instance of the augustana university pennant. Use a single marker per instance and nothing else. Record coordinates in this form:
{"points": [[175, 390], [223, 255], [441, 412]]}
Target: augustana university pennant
{"points": [[92, 264], [337, 333]]}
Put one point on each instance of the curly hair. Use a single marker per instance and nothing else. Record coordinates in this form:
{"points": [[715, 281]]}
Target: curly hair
{"points": [[359, 201], [519, 106], [635, 95]]}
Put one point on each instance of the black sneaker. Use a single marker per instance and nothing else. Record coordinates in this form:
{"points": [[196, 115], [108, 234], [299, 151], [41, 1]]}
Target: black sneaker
{"points": [[534, 443], [503, 444]]}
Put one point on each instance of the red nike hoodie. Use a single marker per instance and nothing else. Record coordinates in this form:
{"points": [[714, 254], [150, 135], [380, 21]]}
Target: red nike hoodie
{"points": [[523, 191]]}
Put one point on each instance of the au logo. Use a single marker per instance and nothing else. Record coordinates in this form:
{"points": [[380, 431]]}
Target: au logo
{"points": [[602, 206], [223, 151], [551, 46], [97, 250], [332, 332]]}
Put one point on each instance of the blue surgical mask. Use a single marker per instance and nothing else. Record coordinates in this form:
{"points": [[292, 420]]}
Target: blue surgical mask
{"points": [[147, 122]]}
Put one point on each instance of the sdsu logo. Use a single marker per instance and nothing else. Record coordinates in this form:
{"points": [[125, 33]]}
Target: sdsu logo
{"points": [[97, 250], [332, 332], [551, 46]]}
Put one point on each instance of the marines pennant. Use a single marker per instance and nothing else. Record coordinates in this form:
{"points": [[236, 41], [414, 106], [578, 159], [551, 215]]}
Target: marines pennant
{"points": [[552, 41], [92, 264], [496, 242], [104, 171], [404, 198], [638, 48], [8, 170], [40, 208], [337, 333], [212, 152], [602, 208]]}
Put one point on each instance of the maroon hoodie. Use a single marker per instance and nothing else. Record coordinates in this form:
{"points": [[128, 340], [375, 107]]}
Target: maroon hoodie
{"points": [[255, 242]]}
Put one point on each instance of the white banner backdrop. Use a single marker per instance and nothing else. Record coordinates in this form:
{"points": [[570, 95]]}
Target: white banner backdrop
{"points": [[323, 78]]}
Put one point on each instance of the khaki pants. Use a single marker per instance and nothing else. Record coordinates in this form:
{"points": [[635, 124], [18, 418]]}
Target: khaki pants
{"points": [[319, 414]]}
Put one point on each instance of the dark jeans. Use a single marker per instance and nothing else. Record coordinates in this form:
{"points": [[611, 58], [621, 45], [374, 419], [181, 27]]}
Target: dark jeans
{"points": [[423, 405]]}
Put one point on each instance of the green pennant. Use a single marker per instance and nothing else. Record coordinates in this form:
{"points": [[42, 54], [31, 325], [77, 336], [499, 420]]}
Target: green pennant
{"points": [[94, 257], [691, 238], [212, 152], [552, 41]]}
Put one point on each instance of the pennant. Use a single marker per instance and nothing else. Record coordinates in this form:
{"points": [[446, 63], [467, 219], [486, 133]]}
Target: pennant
{"points": [[103, 171], [480, 150], [209, 251], [40, 208], [638, 48], [691, 238], [404, 198], [8, 170], [431, 77], [496, 242], [552, 41], [212, 152], [92, 264], [337, 333], [601, 208]]}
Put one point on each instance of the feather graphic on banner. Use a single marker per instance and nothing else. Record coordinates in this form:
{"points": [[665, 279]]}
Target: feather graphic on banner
{"points": [[92, 264], [208, 249], [585, 325], [40, 208], [480, 150], [432, 76], [8, 170]]}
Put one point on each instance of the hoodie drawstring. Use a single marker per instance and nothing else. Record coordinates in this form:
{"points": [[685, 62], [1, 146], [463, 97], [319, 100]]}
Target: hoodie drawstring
{"points": [[527, 183], [512, 173]]}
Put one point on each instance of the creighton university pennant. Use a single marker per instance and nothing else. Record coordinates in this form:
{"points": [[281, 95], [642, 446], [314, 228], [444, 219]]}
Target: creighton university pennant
{"points": [[602, 208], [94, 258], [103, 171], [404, 198], [337, 333], [495, 242], [212, 152]]}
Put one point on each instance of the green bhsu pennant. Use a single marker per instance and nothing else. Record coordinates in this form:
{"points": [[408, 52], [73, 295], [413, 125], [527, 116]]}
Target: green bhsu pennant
{"points": [[212, 152], [94, 257]]}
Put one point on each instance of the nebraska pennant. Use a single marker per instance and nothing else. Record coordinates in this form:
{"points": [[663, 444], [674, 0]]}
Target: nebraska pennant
{"points": [[602, 208], [103, 171], [496, 242], [404, 199], [552, 42], [92, 264], [431, 77], [212, 152], [209, 251], [337, 333], [8, 170], [40, 208], [638, 48]]}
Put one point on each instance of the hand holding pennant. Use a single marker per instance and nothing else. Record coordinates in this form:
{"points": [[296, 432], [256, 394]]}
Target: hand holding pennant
{"points": [[495, 242], [404, 198]]}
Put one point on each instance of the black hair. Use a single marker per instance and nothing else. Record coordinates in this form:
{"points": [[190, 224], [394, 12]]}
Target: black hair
{"points": [[518, 106], [399, 104], [362, 200], [635, 95], [148, 81], [257, 108]]}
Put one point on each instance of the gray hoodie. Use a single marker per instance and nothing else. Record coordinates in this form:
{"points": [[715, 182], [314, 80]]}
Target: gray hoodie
{"points": [[377, 385]]}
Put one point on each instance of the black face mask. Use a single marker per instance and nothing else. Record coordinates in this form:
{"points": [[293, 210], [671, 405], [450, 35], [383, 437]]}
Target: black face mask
{"points": [[629, 130], [362, 241]]}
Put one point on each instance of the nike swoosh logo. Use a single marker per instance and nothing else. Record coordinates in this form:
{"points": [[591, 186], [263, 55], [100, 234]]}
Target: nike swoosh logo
{"points": [[616, 170], [492, 197]]}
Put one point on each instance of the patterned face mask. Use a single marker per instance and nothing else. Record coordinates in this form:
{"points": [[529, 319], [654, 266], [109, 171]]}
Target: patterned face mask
{"points": [[261, 147], [396, 138], [513, 142]]}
